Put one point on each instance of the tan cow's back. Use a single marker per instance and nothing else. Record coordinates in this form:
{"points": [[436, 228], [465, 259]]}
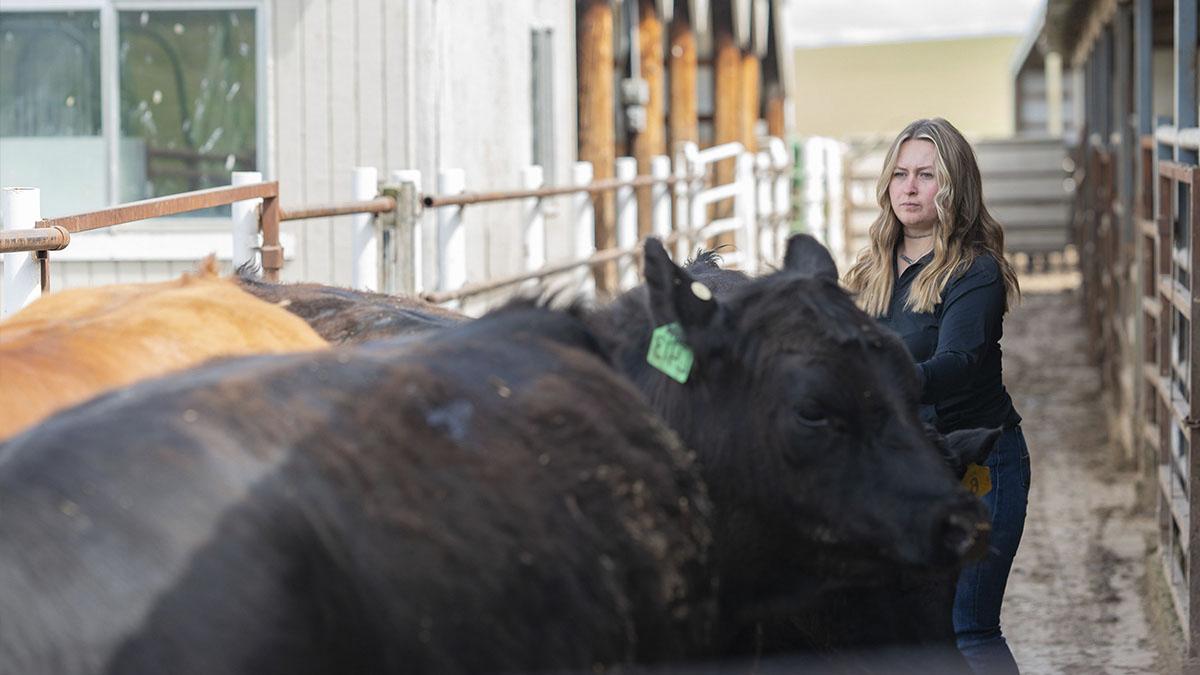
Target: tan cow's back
{"points": [[69, 346]]}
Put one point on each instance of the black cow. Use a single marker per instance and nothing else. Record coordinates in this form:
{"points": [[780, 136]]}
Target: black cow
{"points": [[347, 316], [495, 500], [803, 413]]}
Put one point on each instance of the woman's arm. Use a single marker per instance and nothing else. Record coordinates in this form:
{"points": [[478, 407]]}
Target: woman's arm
{"points": [[972, 312]]}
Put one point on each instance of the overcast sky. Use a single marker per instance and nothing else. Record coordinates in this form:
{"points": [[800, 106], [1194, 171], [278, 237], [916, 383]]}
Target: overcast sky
{"points": [[826, 22]]}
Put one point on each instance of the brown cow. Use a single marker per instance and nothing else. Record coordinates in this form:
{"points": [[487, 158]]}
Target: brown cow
{"points": [[69, 346]]}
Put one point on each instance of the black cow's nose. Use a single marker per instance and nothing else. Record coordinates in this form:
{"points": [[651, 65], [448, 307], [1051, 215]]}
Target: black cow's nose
{"points": [[963, 531]]}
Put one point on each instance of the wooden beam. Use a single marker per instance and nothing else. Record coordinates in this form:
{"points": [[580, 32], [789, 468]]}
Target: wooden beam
{"points": [[751, 72], [597, 135], [652, 140], [684, 123], [776, 116]]}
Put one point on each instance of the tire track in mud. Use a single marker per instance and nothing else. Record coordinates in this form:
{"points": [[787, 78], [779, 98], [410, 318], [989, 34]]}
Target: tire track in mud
{"points": [[1075, 596]]}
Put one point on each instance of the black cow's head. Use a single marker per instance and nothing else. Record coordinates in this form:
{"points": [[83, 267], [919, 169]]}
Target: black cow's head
{"points": [[803, 412]]}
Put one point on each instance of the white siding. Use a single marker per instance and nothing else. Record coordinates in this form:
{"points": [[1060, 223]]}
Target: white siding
{"points": [[418, 84]]}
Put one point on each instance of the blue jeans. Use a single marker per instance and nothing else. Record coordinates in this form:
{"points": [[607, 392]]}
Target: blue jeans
{"points": [[981, 585]]}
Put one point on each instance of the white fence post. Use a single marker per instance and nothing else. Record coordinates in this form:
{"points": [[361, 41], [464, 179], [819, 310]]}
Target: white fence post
{"points": [[764, 208], [746, 236], [627, 220], [20, 209], [364, 246], [585, 225], [452, 237], [697, 209], [683, 190], [533, 235], [781, 160], [410, 247], [244, 216], [660, 196], [840, 224]]}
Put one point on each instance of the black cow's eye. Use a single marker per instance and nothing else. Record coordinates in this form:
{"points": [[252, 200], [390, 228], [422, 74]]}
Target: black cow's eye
{"points": [[810, 415]]}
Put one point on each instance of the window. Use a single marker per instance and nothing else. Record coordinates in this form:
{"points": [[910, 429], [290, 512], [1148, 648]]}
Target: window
{"points": [[50, 108], [128, 101]]}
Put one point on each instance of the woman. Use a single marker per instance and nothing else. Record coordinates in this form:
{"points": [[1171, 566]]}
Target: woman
{"points": [[935, 274]]}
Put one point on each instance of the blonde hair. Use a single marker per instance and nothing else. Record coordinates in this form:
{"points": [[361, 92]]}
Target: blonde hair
{"points": [[964, 228]]}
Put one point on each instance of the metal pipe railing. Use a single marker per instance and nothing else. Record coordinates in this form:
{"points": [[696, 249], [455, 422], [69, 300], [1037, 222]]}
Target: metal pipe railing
{"points": [[163, 206], [377, 205], [433, 201], [599, 258]]}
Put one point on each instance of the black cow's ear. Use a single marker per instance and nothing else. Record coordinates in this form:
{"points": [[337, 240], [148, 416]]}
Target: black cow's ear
{"points": [[972, 446], [675, 296], [807, 256]]}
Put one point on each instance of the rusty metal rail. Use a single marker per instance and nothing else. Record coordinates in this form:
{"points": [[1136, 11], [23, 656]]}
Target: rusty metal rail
{"points": [[163, 206], [598, 258], [54, 234], [377, 205], [53, 238], [433, 201]]}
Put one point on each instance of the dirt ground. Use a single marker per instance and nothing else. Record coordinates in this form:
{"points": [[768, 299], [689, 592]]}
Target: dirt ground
{"points": [[1086, 593]]}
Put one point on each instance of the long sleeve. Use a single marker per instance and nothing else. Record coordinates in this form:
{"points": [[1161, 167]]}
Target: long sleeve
{"points": [[972, 312]]}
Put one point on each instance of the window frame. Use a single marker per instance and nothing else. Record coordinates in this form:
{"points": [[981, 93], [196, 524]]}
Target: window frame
{"points": [[110, 126]]}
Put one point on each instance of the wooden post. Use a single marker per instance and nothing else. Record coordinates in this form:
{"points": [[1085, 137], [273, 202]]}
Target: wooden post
{"points": [[776, 115], [597, 135], [652, 140], [271, 252], [684, 125], [728, 98], [750, 99], [404, 258]]}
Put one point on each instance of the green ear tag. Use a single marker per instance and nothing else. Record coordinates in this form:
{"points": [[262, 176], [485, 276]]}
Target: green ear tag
{"points": [[669, 354]]}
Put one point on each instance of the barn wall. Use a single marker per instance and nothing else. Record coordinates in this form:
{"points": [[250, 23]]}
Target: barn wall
{"points": [[394, 85]]}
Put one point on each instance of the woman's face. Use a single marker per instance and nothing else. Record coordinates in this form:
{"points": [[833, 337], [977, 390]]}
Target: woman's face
{"points": [[914, 184]]}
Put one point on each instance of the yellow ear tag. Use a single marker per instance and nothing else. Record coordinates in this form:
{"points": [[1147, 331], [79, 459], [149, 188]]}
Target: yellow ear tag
{"points": [[978, 480]]}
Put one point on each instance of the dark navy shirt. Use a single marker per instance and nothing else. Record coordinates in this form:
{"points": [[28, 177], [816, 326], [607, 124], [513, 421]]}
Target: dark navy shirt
{"points": [[957, 346]]}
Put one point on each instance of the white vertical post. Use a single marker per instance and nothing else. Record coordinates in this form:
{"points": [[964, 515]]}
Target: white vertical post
{"points": [[244, 216], [20, 209], [841, 218], [781, 161], [452, 237], [411, 246], [585, 225], [533, 235], [765, 220], [683, 211], [697, 210], [746, 236], [364, 246], [815, 196], [660, 202], [627, 220]]}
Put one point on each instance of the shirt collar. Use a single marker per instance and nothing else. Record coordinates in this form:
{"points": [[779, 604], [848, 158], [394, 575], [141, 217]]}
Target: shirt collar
{"points": [[913, 267]]}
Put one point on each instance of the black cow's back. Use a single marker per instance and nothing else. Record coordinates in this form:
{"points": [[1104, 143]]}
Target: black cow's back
{"points": [[493, 500]]}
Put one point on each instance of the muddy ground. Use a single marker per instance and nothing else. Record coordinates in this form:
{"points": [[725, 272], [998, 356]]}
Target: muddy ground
{"points": [[1086, 594]]}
